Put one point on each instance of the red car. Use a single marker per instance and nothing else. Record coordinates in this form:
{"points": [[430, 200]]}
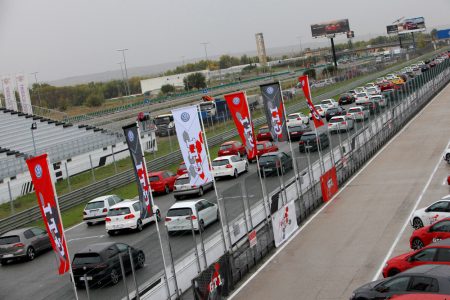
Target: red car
{"points": [[162, 181], [264, 134], [386, 85], [181, 169], [436, 254], [264, 147], [232, 148], [430, 234], [332, 28], [410, 26], [420, 297]]}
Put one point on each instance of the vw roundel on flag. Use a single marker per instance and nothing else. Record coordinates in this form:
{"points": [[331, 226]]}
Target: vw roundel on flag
{"points": [[273, 105], [238, 106], [304, 82], [46, 196], [190, 138]]}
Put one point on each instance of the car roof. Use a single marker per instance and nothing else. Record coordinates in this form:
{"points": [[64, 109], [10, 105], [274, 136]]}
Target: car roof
{"points": [[125, 203], [358, 107], [224, 157], [17, 231], [101, 198], [338, 117], [438, 270], [273, 153], [97, 247], [229, 143], [185, 203]]}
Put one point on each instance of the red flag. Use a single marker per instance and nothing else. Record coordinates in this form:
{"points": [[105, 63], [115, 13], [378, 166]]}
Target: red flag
{"points": [[237, 103], [304, 82], [46, 196], [329, 184]]}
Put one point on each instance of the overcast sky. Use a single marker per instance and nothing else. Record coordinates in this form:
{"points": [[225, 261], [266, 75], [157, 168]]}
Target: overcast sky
{"points": [[62, 38]]}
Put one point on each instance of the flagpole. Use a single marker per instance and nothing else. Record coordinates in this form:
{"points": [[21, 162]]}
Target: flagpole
{"points": [[156, 217], [214, 183]]}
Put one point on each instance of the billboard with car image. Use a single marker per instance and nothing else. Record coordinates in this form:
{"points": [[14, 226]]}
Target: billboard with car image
{"points": [[411, 25], [330, 28]]}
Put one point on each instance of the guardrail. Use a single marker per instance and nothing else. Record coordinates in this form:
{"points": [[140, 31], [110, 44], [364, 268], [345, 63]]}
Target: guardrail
{"points": [[102, 187]]}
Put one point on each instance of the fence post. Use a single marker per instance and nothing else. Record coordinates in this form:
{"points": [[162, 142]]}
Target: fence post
{"points": [[133, 272], [68, 177], [11, 203], [195, 243], [173, 267], [92, 168], [124, 279]]}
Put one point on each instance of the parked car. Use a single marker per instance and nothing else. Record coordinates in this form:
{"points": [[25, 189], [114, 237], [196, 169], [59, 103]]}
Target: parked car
{"points": [[183, 188], [297, 119], [162, 181], [436, 253], [232, 148], [335, 111], [415, 296], [23, 243], [361, 97], [100, 262], [127, 215], [231, 165], [358, 113], [264, 134], [97, 209], [346, 99], [340, 123], [295, 132], [275, 163], [381, 101], [264, 147], [182, 169], [430, 234], [432, 213], [372, 91], [201, 211], [330, 103], [310, 142]]}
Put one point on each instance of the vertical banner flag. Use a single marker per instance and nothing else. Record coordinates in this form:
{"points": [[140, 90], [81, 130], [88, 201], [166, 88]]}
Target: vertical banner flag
{"points": [[8, 93], [329, 184], [273, 105], [133, 137], [304, 83], [190, 138], [214, 283], [46, 196], [284, 223], [238, 106], [24, 93]]}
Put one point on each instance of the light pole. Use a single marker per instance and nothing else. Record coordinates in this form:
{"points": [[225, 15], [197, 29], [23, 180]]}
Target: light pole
{"points": [[205, 44], [126, 71], [300, 42], [33, 128], [37, 87], [123, 76]]}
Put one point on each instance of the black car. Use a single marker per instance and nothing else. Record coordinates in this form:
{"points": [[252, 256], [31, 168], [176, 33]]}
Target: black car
{"points": [[346, 98], [275, 163], [335, 111], [101, 265], [422, 279], [309, 141], [296, 132]]}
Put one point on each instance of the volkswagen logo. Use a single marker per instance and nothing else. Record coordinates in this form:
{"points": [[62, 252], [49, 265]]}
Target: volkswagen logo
{"points": [[236, 100], [185, 117], [38, 171], [130, 136], [270, 90]]}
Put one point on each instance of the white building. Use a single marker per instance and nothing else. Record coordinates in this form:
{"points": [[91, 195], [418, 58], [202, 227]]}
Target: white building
{"points": [[154, 85]]}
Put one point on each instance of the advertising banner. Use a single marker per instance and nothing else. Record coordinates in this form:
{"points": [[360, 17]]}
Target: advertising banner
{"points": [[193, 149], [274, 108], [443, 34], [412, 25], [47, 202], [214, 283], [133, 137], [392, 29], [304, 83], [330, 28], [329, 184], [24, 94], [238, 106], [284, 223], [8, 93]]}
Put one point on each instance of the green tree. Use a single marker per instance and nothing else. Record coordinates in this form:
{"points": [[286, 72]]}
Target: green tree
{"points": [[311, 73], [433, 34], [167, 89], [95, 99], [195, 80]]}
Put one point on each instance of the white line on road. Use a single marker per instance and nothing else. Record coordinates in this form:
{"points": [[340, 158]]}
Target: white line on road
{"points": [[86, 237]]}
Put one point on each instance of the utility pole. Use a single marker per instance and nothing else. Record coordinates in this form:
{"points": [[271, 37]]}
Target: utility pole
{"points": [[300, 41], [205, 44], [126, 71]]}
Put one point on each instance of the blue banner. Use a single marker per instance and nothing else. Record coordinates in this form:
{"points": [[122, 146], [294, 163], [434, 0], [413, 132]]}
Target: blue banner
{"points": [[443, 34]]}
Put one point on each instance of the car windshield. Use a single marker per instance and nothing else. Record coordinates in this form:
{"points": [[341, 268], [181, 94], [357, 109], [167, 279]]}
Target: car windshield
{"points": [[220, 162], [153, 178], [293, 117], [337, 120], [119, 211], [353, 110], [12, 239], [295, 128], [260, 147], [318, 107], [267, 158], [361, 95], [95, 205], [163, 120], [332, 110], [179, 212], [226, 147], [181, 181], [86, 259], [264, 130]]}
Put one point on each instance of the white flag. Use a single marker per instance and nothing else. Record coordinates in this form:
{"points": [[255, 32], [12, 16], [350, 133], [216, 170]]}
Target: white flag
{"points": [[24, 94], [284, 223], [189, 134], [8, 92]]}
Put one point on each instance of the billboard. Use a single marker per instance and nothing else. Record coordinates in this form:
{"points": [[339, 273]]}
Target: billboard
{"points": [[330, 28], [443, 34], [392, 29], [411, 25]]}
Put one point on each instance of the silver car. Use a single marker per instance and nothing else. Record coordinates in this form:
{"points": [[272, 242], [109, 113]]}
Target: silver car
{"points": [[23, 243], [183, 188]]}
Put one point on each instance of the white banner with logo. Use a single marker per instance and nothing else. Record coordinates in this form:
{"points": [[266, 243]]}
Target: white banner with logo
{"points": [[24, 93], [284, 223], [8, 93], [193, 148]]}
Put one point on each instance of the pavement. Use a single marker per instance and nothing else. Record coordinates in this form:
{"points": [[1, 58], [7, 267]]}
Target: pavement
{"points": [[346, 243]]}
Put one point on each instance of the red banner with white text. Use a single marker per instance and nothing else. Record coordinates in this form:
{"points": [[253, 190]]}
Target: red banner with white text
{"points": [[304, 83], [46, 196], [329, 184], [238, 105]]}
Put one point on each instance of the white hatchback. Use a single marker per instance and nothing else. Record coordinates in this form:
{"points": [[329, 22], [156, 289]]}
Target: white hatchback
{"points": [[340, 123], [201, 211], [127, 215], [296, 119], [97, 209], [432, 213], [330, 103], [230, 165], [358, 113], [379, 99], [362, 97]]}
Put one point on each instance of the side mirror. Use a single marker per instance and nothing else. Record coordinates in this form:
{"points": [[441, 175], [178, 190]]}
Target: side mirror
{"points": [[427, 210]]}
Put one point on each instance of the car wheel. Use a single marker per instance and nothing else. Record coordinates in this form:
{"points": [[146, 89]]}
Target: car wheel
{"points": [[246, 167], [110, 232], [201, 226], [236, 173], [89, 223], [3, 262], [200, 192], [447, 157], [393, 272], [139, 225], [158, 216], [417, 223], [417, 244], [31, 253], [166, 189], [140, 260], [114, 277]]}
